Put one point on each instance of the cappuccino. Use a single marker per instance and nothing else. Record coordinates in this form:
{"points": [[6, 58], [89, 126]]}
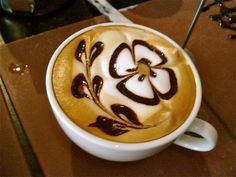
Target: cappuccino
{"points": [[124, 83]]}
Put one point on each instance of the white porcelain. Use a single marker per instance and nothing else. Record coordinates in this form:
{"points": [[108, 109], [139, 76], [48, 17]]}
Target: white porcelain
{"points": [[134, 151]]}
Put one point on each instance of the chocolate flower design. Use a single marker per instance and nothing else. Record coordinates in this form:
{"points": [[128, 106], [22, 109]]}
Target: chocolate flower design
{"points": [[144, 68]]}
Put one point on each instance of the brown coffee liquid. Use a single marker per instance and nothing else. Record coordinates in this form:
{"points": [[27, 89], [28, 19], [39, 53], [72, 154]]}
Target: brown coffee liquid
{"points": [[124, 84]]}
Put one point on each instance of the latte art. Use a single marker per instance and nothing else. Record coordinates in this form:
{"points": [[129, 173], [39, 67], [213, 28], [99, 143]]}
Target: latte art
{"points": [[80, 86], [124, 84], [148, 64]]}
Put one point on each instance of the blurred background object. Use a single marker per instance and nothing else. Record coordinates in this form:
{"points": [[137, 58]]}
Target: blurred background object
{"points": [[23, 18], [27, 7]]}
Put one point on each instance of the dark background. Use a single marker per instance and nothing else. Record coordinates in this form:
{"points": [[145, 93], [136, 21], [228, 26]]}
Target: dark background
{"points": [[48, 15]]}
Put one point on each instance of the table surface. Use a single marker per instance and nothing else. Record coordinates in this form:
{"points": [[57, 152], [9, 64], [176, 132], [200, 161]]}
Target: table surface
{"points": [[33, 144]]}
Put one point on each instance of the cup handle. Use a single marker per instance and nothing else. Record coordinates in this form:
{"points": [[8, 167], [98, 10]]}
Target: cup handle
{"points": [[205, 139]]}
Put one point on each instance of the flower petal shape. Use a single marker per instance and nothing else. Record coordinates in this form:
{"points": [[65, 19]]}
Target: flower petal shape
{"points": [[80, 53], [143, 50], [138, 91], [122, 62], [162, 81], [125, 113], [96, 50], [110, 126], [165, 82], [79, 87]]}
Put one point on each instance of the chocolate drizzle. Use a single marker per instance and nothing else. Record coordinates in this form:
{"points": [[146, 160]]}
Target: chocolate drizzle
{"points": [[112, 64], [131, 69], [145, 61], [173, 88], [226, 16], [141, 77], [97, 85], [129, 114], [152, 73], [148, 101], [151, 48], [110, 126], [78, 86], [121, 86], [80, 50], [96, 50], [123, 118]]}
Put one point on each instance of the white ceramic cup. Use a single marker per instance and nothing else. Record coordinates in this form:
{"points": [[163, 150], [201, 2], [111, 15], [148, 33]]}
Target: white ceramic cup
{"points": [[116, 151]]}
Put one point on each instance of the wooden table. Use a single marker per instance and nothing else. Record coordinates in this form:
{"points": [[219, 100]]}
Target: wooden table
{"points": [[38, 147]]}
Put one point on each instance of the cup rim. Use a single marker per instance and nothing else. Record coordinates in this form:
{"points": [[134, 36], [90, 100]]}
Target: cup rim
{"points": [[62, 117]]}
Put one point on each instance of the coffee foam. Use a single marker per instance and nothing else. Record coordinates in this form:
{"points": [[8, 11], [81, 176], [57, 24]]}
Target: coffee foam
{"points": [[101, 67], [167, 115]]}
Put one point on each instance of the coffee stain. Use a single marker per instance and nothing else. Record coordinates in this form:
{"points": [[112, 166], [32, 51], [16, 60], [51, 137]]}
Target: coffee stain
{"points": [[225, 17], [20, 69]]}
